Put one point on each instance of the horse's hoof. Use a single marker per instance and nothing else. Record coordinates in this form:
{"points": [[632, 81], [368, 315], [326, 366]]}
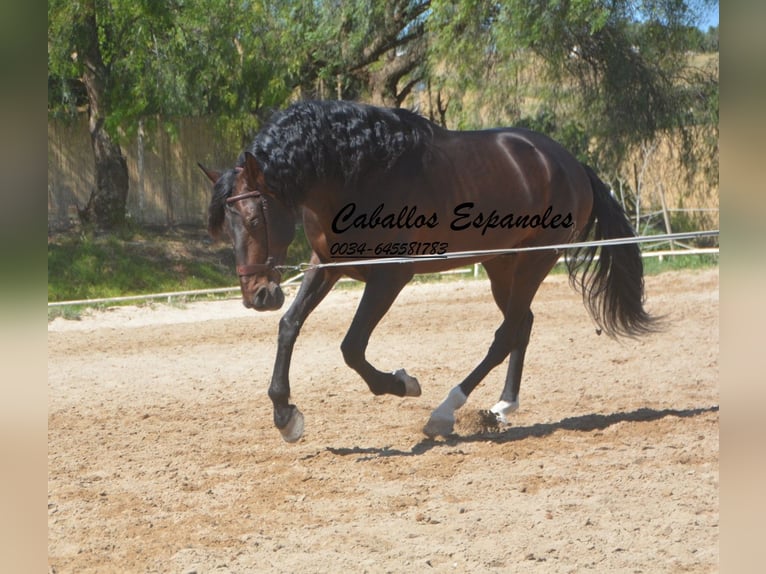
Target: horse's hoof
{"points": [[411, 385], [439, 425], [502, 409], [294, 428]]}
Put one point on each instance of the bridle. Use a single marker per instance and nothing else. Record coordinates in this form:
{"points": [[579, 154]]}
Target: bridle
{"points": [[256, 268]]}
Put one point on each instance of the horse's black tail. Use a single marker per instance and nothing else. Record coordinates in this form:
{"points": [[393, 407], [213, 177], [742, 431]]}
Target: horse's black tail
{"points": [[613, 285]]}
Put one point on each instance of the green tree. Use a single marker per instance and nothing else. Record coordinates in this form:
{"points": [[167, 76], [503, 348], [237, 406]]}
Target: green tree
{"points": [[104, 56], [388, 48], [239, 61], [616, 71], [75, 52], [365, 49], [143, 61]]}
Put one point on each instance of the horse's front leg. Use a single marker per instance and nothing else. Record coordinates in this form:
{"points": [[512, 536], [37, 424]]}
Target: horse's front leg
{"points": [[315, 286], [383, 286]]}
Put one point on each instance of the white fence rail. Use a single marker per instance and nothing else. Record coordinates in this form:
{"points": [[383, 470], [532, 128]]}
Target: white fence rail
{"points": [[471, 269]]}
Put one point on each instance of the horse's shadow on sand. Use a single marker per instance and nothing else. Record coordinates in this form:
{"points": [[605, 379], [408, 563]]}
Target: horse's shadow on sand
{"points": [[584, 423]]}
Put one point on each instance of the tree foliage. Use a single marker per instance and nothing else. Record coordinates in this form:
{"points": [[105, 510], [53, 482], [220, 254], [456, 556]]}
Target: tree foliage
{"points": [[617, 70], [364, 49], [171, 59]]}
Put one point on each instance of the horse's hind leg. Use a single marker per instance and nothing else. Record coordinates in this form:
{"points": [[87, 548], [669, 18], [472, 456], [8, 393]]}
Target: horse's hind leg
{"points": [[509, 398], [442, 419], [514, 282], [382, 288], [527, 276]]}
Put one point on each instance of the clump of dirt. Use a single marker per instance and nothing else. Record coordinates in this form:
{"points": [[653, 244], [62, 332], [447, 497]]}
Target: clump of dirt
{"points": [[477, 422]]}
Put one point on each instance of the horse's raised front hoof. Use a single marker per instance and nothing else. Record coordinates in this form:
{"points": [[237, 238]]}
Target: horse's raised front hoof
{"points": [[502, 409], [411, 385], [439, 424], [294, 428]]}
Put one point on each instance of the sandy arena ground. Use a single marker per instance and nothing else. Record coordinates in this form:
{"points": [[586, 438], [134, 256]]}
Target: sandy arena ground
{"points": [[162, 456]]}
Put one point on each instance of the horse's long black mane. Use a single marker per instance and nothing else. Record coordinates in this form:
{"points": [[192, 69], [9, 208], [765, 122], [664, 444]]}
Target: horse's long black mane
{"points": [[315, 141]]}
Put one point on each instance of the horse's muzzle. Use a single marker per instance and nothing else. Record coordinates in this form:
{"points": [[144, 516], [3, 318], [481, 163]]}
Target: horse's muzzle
{"points": [[267, 297]]}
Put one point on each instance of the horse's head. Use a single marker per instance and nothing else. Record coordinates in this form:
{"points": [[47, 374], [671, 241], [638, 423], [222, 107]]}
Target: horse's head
{"points": [[259, 226]]}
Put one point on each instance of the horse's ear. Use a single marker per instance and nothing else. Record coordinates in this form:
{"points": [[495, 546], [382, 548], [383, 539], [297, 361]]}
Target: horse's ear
{"points": [[211, 175], [253, 174]]}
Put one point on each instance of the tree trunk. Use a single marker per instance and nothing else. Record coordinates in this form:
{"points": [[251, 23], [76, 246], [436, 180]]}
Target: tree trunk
{"points": [[389, 64], [384, 81], [381, 93], [107, 204]]}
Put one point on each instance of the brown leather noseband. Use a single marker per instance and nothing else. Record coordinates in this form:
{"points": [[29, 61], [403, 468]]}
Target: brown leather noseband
{"points": [[255, 268]]}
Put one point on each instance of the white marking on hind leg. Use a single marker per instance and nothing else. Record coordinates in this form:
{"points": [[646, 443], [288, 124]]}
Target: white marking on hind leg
{"points": [[442, 419], [502, 409]]}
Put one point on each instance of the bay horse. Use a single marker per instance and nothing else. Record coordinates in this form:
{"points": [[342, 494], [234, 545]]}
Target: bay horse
{"points": [[370, 183]]}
